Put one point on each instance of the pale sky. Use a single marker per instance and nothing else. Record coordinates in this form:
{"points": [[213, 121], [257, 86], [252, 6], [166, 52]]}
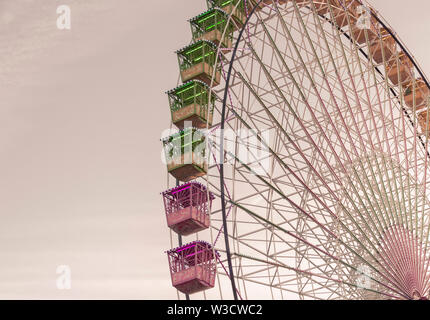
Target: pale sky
{"points": [[81, 115]]}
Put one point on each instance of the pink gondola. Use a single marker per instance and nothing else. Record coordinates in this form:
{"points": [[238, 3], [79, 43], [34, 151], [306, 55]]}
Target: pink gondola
{"points": [[193, 267], [187, 208]]}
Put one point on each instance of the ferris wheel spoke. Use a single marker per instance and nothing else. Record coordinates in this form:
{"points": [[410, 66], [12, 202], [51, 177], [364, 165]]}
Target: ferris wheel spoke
{"points": [[418, 268], [395, 180], [347, 67], [289, 173], [307, 273], [357, 97], [425, 266], [253, 248], [279, 254], [366, 89], [286, 198], [268, 75], [290, 222], [307, 214], [315, 248], [344, 93]]}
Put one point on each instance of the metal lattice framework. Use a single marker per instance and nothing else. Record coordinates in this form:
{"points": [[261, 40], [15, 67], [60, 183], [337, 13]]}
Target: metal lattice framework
{"points": [[325, 194]]}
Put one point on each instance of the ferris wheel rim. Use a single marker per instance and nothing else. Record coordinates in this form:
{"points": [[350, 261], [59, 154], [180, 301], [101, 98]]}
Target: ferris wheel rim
{"points": [[222, 126]]}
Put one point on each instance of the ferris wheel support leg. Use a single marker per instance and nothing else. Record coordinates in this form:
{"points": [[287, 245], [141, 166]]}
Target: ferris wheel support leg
{"points": [[221, 167], [187, 296], [224, 222]]}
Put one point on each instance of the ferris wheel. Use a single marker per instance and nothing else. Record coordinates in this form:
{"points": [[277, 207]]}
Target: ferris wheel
{"points": [[298, 157]]}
